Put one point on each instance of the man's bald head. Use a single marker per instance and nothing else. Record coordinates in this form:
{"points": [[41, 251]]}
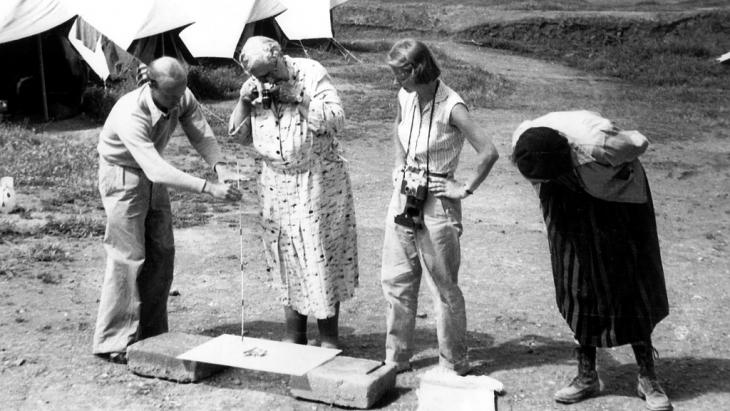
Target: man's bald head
{"points": [[168, 82], [167, 71]]}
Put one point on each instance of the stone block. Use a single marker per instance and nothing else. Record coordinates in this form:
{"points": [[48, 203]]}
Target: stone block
{"points": [[345, 381], [156, 357]]}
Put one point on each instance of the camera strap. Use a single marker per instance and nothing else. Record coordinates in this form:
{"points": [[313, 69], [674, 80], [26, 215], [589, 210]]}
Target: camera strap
{"points": [[428, 136]]}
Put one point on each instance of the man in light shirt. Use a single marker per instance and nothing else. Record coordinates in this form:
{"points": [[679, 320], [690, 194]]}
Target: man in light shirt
{"points": [[133, 181]]}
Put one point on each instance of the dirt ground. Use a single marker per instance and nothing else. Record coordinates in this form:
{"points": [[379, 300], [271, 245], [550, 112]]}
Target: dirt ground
{"points": [[515, 331]]}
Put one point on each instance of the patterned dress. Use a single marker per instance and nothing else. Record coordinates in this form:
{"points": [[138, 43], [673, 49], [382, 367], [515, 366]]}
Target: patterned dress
{"points": [[307, 212]]}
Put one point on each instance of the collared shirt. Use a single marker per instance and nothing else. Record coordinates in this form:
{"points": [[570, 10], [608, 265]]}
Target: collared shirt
{"points": [[604, 156], [442, 146], [136, 133]]}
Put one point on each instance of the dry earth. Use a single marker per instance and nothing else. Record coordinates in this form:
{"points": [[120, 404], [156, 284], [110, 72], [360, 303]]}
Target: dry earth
{"points": [[515, 332]]}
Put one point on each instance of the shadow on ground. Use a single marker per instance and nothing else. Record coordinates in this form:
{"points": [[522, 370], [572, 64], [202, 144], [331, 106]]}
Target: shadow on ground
{"points": [[683, 378]]}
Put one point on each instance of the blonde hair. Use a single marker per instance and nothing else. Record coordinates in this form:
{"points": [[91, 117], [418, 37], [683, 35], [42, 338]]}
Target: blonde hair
{"points": [[414, 53]]}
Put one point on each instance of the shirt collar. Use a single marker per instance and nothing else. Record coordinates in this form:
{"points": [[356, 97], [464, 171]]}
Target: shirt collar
{"points": [[155, 113]]}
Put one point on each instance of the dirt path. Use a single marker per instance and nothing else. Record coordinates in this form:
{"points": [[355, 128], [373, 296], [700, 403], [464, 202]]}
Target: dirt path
{"points": [[515, 332]]}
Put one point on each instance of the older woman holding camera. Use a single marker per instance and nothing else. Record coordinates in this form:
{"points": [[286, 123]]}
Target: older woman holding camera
{"points": [[292, 112], [423, 223]]}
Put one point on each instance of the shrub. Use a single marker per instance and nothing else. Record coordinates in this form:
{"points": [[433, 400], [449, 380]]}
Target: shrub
{"points": [[215, 80], [97, 102]]}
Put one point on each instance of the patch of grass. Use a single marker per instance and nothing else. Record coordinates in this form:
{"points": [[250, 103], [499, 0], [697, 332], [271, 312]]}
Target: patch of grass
{"points": [[37, 160], [74, 227], [477, 87], [50, 278], [45, 252], [672, 53]]}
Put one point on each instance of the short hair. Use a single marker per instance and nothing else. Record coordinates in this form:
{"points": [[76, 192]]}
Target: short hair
{"points": [[257, 50], [414, 53], [165, 70]]}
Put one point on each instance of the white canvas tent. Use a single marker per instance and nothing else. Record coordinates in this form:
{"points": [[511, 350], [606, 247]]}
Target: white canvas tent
{"points": [[219, 24], [25, 18], [125, 21], [21, 19], [306, 20]]}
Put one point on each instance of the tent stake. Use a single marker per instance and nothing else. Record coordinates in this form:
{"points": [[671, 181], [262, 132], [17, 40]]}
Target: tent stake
{"points": [[43, 78]]}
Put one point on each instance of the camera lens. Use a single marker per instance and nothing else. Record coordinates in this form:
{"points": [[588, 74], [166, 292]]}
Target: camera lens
{"points": [[266, 98]]}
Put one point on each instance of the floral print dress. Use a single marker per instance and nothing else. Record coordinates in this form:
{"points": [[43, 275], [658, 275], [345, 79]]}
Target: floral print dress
{"points": [[307, 212]]}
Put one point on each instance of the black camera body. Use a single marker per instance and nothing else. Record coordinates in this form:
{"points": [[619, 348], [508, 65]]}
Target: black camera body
{"points": [[267, 97], [415, 188]]}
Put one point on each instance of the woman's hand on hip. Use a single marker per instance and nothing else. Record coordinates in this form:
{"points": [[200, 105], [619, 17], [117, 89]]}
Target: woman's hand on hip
{"points": [[448, 188]]}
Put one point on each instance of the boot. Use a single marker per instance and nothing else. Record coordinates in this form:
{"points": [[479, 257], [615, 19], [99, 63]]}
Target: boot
{"points": [[586, 383], [329, 330], [296, 327], [648, 387]]}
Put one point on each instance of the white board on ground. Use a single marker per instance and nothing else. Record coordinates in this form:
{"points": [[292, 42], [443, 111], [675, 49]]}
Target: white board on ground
{"points": [[279, 357]]}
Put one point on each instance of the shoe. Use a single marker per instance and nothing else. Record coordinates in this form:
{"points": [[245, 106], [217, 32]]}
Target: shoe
{"points": [[113, 357], [582, 387], [649, 390]]}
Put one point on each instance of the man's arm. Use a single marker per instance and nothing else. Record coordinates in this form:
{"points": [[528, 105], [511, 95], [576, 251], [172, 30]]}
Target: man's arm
{"points": [[134, 132], [198, 130]]}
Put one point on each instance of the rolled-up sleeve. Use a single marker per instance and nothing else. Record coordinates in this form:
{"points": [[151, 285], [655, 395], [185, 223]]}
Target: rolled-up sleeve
{"points": [[326, 115]]}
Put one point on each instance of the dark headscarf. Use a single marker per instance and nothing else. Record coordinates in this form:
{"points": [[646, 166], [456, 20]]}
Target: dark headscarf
{"points": [[541, 153]]}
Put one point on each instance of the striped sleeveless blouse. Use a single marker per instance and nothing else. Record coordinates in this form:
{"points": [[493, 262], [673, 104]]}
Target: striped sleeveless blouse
{"points": [[445, 141]]}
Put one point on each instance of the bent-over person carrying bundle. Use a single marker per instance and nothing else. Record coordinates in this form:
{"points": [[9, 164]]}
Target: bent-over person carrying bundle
{"points": [[606, 263]]}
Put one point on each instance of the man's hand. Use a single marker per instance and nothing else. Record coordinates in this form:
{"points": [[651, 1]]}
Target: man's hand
{"points": [[225, 174], [222, 191]]}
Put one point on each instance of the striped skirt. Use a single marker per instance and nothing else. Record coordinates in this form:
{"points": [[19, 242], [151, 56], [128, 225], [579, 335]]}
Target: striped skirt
{"points": [[609, 281]]}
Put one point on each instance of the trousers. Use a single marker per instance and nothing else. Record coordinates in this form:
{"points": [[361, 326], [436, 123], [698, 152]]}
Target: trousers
{"points": [[140, 254], [408, 254]]}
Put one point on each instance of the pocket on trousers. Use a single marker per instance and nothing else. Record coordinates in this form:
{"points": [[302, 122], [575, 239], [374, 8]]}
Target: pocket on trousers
{"points": [[131, 178]]}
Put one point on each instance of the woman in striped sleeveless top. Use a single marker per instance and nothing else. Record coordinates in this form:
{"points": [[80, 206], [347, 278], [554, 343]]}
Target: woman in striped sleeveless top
{"points": [[423, 224]]}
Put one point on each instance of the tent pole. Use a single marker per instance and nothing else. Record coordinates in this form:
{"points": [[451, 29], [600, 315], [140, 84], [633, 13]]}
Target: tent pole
{"points": [[43, 79]]}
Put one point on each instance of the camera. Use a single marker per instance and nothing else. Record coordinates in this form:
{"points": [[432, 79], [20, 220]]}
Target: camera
{"points": [[415, 188], [267, 97]]}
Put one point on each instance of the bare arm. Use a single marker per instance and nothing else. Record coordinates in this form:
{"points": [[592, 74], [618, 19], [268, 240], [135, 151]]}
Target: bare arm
{"points": [[240, 122], [486, 157]]}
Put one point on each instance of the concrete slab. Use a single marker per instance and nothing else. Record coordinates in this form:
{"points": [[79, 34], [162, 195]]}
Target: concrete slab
{"points": [[156, 357], [345, 381]]}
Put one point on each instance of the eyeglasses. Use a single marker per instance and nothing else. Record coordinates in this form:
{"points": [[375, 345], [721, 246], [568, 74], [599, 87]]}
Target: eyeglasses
{"points": [[265, 73]]}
